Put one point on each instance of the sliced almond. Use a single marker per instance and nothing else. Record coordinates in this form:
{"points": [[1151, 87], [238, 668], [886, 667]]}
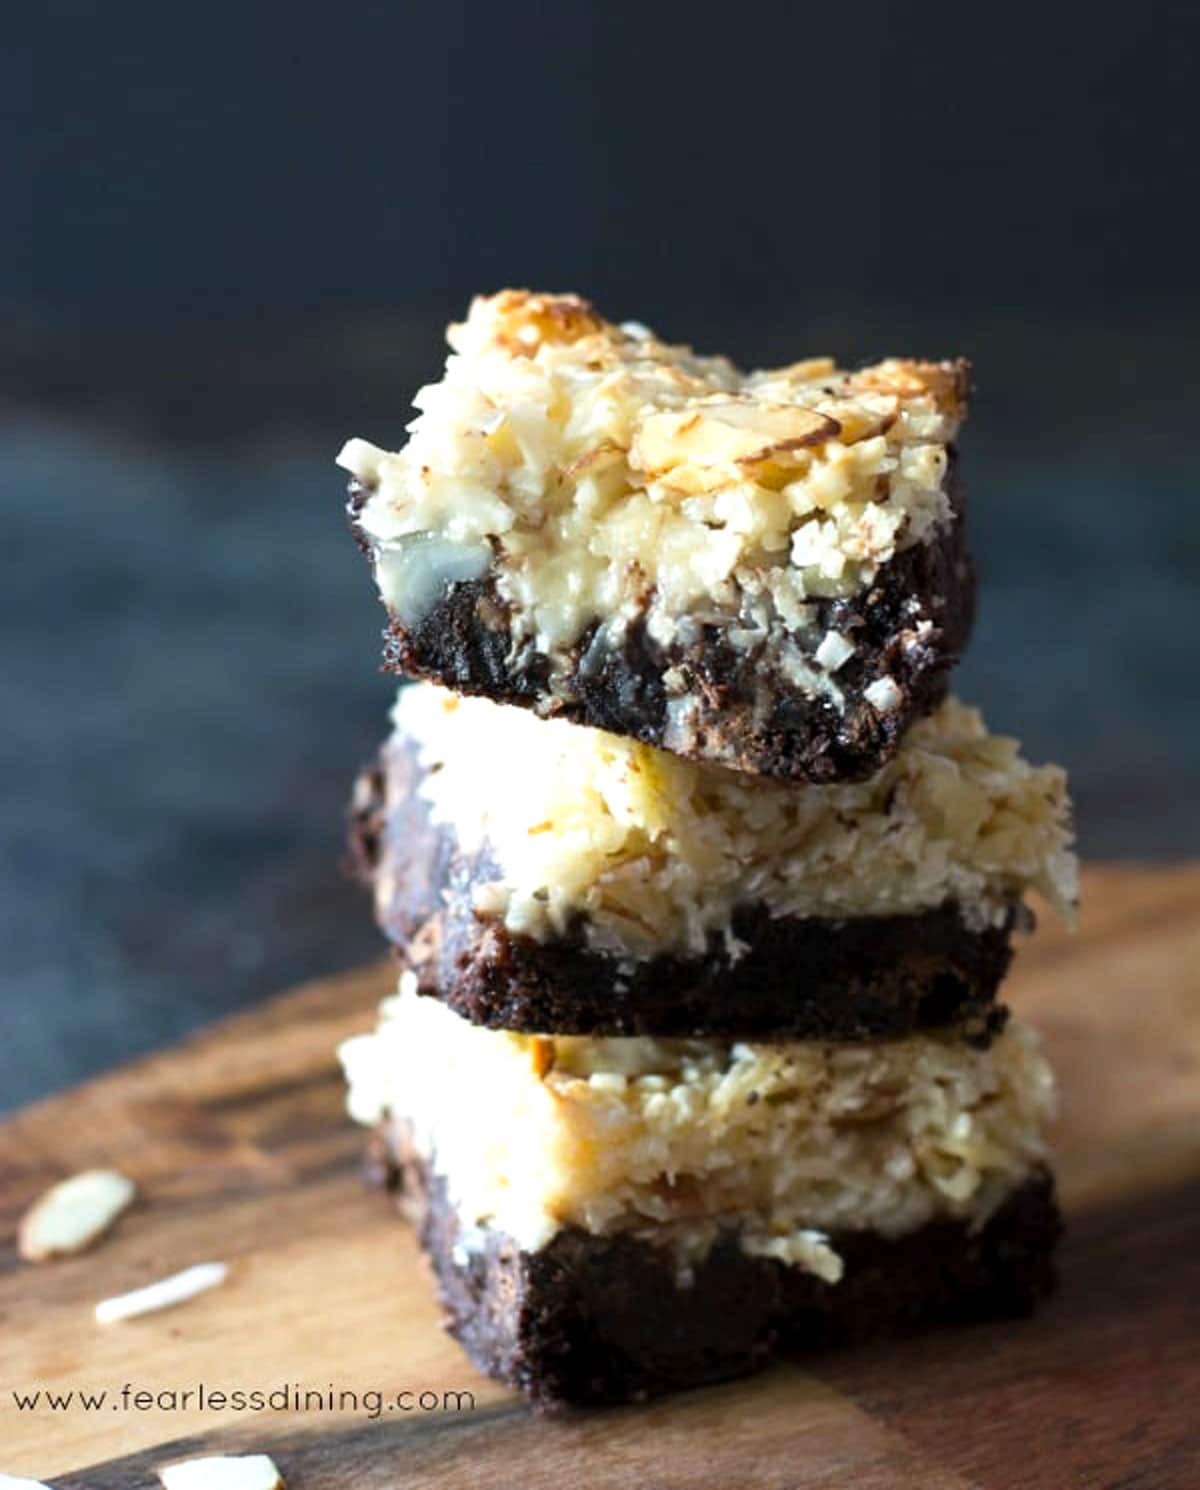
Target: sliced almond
{"points": [[74, 1214], [864, 420], [223, 1472], [593, 461], [945, 383], [164, 1294], [711, 437], [808, 369]]}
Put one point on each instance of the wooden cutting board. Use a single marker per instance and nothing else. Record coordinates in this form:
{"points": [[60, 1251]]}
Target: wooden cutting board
{"points": [[238, 1141]]}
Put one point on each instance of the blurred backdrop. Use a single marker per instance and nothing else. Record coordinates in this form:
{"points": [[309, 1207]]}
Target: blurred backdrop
{"points": [[236, 233]]}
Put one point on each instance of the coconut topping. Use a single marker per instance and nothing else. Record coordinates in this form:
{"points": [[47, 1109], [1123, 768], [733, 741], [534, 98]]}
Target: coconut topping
{"points": [[603, 474], [656, 853], [786, 1142]]}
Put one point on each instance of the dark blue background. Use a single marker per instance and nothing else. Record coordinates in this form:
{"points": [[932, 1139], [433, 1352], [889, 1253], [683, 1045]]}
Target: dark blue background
{"points": [[236, 232]]}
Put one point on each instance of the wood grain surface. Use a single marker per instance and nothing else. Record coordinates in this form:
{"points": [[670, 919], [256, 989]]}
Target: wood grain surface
{"points": [[238, 1141]]}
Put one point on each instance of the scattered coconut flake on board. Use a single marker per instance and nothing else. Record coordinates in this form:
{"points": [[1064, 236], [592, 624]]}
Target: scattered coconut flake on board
{"points": [[15, 1482], [223, 1472], [74, 1214], [164, 1294]]}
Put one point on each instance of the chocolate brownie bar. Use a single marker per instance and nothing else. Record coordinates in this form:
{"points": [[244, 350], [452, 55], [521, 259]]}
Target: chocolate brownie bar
{"points": [[591, 1320], [766, 570], [818, 939], [626, 1216]]}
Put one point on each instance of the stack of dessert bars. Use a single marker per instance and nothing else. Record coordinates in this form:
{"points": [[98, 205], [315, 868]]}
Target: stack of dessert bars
{"points": [[703, 886]]}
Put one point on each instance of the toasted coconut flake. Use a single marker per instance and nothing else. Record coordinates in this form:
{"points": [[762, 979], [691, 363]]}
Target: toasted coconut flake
{"points": [[542, 1052], [523, 321], [167, 1292], [74, 1214], [223, 1472]]}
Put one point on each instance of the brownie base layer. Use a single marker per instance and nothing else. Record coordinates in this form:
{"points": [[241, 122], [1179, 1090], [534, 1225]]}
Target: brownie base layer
{"points": [[796, 979], [591, 1320], [909, 626]]}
